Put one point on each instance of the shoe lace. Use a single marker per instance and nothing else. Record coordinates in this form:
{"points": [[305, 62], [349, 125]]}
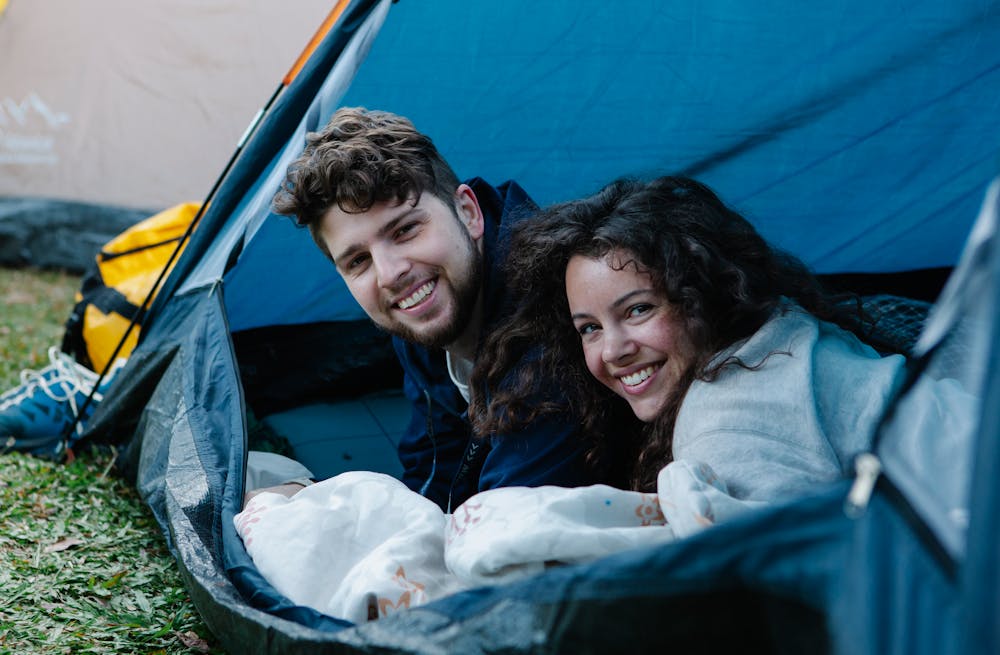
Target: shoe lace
{"points": [[61, 381]]}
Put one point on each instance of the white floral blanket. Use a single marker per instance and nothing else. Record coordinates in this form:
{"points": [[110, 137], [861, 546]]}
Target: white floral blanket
{"points": [[362, 545]]}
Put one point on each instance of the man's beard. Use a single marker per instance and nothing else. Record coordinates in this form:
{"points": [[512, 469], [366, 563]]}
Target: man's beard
{"points": [[466, 293]]}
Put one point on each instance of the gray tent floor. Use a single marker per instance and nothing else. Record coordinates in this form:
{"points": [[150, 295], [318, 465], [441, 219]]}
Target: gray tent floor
{"points": [[351, 435]]}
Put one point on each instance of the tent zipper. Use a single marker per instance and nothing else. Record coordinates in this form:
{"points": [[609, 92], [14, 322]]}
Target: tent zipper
{"points": [[867, 469], [868, 475]]}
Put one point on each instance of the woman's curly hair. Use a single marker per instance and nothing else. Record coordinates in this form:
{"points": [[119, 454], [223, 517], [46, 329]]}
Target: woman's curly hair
{"points": [[709, 262]]}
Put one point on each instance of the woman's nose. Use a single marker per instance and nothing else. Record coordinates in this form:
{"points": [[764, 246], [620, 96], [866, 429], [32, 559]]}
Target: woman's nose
{"points": [[618, 346]]}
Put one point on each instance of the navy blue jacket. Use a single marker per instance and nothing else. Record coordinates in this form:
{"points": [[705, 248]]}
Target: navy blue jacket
{"points": [[441, 458]]}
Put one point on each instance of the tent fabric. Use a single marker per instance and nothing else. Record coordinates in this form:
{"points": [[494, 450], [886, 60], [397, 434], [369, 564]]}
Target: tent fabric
{"points": [[897, 597], [821, 174], [121, 104], [913, 555], [246, 195], [952, 351], [857, 135], [860, 137], [112, 110], [979, 578]]}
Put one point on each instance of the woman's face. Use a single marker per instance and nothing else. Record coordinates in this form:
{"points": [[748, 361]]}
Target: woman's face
{"points": [[633, 339]]}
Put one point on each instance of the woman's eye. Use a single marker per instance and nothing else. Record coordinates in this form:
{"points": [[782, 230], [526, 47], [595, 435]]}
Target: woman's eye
{"points": [[639, 310], [587, 328]]}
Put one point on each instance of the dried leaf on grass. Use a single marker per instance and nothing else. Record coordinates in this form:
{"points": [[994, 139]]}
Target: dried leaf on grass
{"points": [[62, 544], [192, 640]]}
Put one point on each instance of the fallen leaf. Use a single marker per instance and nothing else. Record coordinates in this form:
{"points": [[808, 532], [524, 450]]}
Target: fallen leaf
{"points": [[143, 602], [114, 580], [192, 640], [62, 545]]}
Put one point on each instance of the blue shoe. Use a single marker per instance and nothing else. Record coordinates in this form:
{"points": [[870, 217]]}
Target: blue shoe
{"points": [[35, 416]]}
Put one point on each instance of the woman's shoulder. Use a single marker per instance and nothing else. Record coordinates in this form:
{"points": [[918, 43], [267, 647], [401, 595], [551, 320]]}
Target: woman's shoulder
{"points": [[790, 328], [793, 329], [787, 363]]}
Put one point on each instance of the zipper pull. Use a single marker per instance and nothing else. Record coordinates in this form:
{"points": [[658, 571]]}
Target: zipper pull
{"points": [[867, 468]]}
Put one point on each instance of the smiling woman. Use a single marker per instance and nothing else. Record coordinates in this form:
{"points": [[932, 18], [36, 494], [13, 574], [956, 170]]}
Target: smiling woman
{"points": [[659, 298], [634, 341]]}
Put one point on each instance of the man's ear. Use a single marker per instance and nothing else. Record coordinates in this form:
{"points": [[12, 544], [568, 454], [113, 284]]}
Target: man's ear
{"points": [[469, 212]]}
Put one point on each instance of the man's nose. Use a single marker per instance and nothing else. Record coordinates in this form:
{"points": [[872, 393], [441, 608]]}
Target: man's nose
{"points": [[390, 267], [618, 346]]}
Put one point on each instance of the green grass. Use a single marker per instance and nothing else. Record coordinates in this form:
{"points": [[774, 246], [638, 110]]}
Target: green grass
{"points": [[83, 565], [34, 305]]}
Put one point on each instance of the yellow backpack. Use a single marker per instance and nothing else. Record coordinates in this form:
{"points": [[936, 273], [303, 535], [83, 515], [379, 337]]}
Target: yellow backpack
{"points": [[111, 293]]}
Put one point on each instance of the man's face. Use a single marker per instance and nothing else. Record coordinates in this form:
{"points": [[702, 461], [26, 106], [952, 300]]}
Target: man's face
{"points": [[415, 269]]}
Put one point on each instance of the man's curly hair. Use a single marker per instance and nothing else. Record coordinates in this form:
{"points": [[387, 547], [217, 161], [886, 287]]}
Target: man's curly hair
{"points": [[361, 158]]}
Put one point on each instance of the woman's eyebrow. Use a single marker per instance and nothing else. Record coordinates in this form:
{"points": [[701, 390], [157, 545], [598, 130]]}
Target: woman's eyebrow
{"points": [[628, 296], [616, 304]]}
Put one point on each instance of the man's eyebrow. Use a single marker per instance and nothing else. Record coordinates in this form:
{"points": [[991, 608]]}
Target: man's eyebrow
{"points": [[349, 251], [391, 225]]}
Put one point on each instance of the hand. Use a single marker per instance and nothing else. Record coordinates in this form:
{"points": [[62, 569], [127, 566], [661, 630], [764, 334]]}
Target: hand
{"points": [[288, 490]]}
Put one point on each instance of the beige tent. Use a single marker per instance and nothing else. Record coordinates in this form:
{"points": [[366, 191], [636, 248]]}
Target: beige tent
{"points": [[136, 104]]}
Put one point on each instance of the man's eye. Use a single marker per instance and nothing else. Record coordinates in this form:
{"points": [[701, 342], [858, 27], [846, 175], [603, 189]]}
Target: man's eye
{"points": [[357, 262], [405, 230]]}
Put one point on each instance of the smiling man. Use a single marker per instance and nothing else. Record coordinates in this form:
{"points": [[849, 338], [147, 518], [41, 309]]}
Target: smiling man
{"points": [[418, 251]]}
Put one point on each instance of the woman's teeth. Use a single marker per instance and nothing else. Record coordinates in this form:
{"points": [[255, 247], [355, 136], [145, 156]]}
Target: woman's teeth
{"points": [[638, 377]]}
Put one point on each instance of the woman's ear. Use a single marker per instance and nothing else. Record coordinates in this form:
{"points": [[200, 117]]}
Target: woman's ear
{"points": [[469, 212]]}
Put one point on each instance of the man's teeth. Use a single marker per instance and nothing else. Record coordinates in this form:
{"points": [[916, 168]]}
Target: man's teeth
{"points": [[638, 377], [417, 296]]}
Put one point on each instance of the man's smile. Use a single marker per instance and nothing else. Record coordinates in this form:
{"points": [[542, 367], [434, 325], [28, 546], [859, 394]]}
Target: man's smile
{"points": [[419, 295]]}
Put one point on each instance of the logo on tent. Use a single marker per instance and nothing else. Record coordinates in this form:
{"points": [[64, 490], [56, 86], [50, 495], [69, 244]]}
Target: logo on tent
{"points": [[32, 146]]}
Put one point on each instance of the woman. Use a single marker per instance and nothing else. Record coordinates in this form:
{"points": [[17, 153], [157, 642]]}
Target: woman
{"points": [[658, 298]]}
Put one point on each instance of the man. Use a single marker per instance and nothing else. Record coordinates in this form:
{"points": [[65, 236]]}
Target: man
{"points": [[418, 251]]}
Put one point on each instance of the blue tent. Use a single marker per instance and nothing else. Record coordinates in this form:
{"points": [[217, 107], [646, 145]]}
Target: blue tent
{"points": [[860, 136]]}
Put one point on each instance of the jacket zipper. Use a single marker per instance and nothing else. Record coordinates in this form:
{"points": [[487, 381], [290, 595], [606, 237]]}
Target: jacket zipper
{"points": [[469, 457]]}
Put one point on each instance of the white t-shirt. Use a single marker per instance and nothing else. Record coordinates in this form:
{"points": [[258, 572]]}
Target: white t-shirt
{"points": [[459, 370]]}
